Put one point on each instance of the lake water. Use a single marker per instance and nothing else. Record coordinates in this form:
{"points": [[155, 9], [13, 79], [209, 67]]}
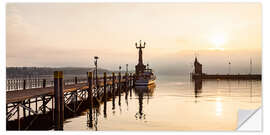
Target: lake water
{"points": [[175, 103]]}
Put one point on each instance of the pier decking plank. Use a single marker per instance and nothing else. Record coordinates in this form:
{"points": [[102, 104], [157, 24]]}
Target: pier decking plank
{"points": [[21, 95]]}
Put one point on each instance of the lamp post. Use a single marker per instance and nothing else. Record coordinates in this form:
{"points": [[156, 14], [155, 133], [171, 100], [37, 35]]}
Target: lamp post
{"points": [[96, 58], [229, 67], [120, 70], [127, 68]]}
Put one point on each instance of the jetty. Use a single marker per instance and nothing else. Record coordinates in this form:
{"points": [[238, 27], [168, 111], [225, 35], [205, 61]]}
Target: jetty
{"points": [[61, 97], [198, 74]]}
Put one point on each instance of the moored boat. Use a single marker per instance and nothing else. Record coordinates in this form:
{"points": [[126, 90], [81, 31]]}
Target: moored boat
{"points": [[144, 75]]}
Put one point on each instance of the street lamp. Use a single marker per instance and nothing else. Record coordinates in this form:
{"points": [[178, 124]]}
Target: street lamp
{"points": [[127, 68], [229, 67], [120, 71], [96, 58], [120, 68]]}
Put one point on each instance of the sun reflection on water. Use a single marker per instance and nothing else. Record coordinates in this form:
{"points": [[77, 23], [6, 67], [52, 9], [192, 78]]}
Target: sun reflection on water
{"points": [[218, 106]]}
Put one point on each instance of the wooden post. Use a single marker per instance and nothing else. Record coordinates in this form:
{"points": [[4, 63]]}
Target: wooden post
{"points": [[43, 97], [76, 94], [76, 80], [36, 105], [59, 100], [24, 86], [119, 88], [113, 89], [126, 85], [134, 79], [90, 97], [29, 104], [130, 79], [126, 80], [44, 83], [130, 84], [18, 117], [105, 94]]}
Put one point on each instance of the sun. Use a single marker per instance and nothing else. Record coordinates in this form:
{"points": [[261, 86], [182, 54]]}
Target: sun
{"points": [[218, 41]]}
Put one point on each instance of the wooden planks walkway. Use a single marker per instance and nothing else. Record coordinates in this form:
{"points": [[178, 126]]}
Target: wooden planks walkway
{"points": [[21, 95]]}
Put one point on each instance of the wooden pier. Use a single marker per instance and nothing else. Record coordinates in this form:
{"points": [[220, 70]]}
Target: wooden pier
{"points": [[64, 97]]}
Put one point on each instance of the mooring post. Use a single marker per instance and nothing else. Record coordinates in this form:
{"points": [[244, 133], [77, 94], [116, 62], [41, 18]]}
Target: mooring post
{"points": [[90, 97], [130, 84], [113, 89], [24, 86], [29, 105], [18, 117], [119, 88], [130, 79], [76, 80], [105, 94], [134, 79], [43, 97], [76, 94], [44, 83], [59, 100], [127, 80]]}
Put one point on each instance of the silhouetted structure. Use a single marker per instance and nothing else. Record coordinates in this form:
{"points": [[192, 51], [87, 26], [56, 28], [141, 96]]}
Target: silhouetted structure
{"points": [[197, 66], [140, 66], [198, 74]]}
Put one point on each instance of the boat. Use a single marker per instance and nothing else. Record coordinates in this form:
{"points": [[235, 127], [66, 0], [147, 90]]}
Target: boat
{"points": [[146, 78], [144, 75]]}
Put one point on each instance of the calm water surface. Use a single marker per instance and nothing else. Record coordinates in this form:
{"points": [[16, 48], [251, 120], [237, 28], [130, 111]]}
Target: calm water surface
{"points": [[175, 103]]}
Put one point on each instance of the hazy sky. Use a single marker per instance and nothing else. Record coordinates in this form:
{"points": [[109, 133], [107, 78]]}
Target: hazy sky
{"points": [[72, 34]]}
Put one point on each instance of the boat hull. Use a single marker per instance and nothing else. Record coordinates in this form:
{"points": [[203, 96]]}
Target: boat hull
{"points": [[144, 82]]}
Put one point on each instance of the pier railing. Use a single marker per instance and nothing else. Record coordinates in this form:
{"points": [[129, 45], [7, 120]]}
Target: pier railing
{"points": [[22, 84], [60, 98]]}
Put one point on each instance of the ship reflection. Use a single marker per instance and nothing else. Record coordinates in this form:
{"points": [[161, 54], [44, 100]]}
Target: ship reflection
{"points": [[197, 87], [141, 92]]}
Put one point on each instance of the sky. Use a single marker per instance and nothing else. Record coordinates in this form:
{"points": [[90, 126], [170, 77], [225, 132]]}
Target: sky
{"points": [[61, 35]]}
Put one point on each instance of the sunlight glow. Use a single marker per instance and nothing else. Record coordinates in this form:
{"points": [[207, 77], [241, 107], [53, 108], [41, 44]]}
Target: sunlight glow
{"points": [[218, 106], [218, 41]]}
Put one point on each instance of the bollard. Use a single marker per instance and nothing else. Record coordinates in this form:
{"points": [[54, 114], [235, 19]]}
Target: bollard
{"points": [[59, 100], [90, 97]]}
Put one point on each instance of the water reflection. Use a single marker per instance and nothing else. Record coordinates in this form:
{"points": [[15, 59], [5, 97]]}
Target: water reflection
{"points": [[217, 101], [197, 87], [142, 91], [231, 87]]}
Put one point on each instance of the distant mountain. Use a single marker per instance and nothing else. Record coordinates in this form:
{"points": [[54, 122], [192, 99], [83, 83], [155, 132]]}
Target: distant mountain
{"points": [[29, 72]]}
